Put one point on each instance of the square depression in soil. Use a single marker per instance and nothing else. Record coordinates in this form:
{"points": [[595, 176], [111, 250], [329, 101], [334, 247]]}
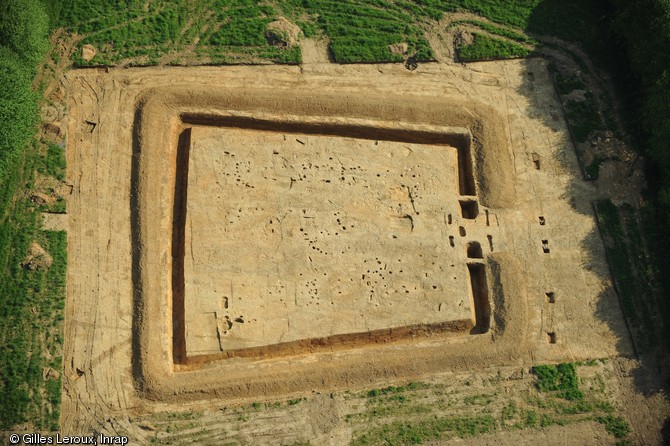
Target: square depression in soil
{"points": [[290, 236]]}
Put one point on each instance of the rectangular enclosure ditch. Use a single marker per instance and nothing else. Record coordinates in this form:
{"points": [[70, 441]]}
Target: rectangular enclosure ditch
{"points": [[301, 236], [244, 264]]}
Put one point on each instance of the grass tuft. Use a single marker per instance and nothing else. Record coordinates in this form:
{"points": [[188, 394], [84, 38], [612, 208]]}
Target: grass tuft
{"points": [[561, 378], [489, 48]]}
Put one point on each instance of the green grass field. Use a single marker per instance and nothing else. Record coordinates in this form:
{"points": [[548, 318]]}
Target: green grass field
{"points": [[227, 31], [217, 31], [489, 48], [31, 302]]}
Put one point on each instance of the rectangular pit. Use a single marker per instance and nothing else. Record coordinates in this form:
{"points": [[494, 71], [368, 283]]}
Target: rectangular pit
{"points": [[283, 239]]}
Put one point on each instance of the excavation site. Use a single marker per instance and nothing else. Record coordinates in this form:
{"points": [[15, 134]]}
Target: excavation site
{"points": [[312, 236], [244, 233]]}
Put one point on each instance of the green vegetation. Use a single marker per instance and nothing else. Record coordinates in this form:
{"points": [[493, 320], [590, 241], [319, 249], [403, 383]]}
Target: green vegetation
{"points": [[561, 378], [226, 31], [31, 302], [568, 19], [53, 164], [396, 390], [651, 250], [488, 48], [295, 401], [23, 43], [645, 29], [32, 314], [407, 433], [618, 256], [562, 382], [230, 31], [516, 14], [582, 115], [361, 31], [497, 30], [215, 31], [616, 426], [583, 118], [417, 413], [566, 84], [482, 400], [634, 272]]}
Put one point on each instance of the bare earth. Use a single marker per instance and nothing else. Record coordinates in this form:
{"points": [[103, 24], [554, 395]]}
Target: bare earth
{"points": [[252, 233], [290, 238]]}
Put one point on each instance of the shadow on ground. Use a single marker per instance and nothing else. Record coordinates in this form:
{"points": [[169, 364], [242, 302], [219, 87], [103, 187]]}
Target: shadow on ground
{"points": [[646, 367]]}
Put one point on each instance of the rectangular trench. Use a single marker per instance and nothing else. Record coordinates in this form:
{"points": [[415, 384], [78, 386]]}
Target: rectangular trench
{"points": [[466, 186], [178, 246], [480, 298]]}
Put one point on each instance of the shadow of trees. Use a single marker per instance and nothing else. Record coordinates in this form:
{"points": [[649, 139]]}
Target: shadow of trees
{"points": [[650, 376]]}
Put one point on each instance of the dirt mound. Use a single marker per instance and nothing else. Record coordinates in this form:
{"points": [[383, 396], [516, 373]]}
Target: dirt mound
{"points": [[37, 258], [42, 199], [283, 33], [494, 167], [88, 52], [398, 48], [464, 38], [53, 128]]}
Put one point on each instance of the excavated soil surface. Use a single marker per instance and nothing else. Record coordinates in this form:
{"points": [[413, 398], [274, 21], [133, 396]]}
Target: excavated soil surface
{"points": [[294, 236], [249, 232]]}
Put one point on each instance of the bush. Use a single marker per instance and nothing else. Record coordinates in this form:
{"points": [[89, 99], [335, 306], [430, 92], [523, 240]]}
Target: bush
{"points": [[561, 378], [616, 426]]}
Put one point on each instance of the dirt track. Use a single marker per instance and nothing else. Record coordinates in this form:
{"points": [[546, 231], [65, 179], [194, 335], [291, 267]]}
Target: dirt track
{"points": [[121, 218]]}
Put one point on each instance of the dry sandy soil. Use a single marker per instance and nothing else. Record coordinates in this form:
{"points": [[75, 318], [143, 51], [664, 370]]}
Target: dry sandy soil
{"points": [[254, 233], [317, 233]]}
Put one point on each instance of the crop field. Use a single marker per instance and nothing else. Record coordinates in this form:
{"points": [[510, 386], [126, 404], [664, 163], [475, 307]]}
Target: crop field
{"points": [[136, 32], [296, 222]]}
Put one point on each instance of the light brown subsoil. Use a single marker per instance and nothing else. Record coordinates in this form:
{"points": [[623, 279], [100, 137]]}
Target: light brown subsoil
{"points": [[314, 51], [507, 394], [120, 324], [291, 237]]}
